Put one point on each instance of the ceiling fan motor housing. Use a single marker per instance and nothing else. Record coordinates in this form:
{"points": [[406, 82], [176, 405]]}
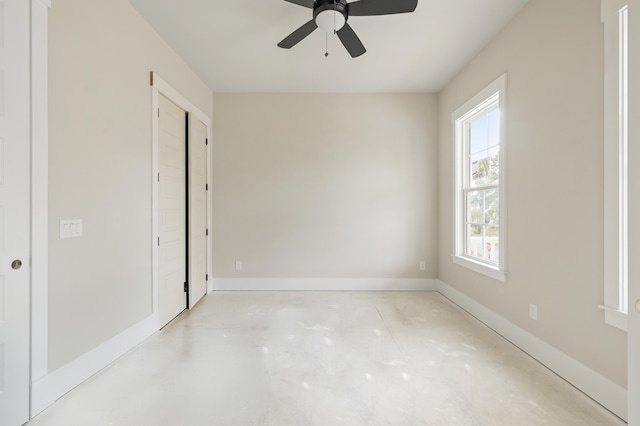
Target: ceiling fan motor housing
{"points": [[331, 15]]}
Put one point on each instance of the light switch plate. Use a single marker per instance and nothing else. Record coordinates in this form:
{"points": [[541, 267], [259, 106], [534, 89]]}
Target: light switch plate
{"points": [[533, 311], [71, 228]]}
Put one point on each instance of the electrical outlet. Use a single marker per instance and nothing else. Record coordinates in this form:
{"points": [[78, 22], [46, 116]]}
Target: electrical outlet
{"points": [[533, 311], [423, 265], [238, 265]]}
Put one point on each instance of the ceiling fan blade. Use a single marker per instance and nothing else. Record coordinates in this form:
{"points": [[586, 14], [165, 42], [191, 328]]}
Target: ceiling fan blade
{"points": [[381, 7], [305, 3], [351, 41], [298, 35]]}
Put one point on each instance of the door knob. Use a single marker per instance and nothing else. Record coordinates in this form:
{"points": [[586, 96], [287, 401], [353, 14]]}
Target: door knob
{"points": [[16, 264]]}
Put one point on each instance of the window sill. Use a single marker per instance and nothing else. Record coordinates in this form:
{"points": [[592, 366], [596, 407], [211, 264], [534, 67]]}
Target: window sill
{"points": [[480, 268], [614, 317]]}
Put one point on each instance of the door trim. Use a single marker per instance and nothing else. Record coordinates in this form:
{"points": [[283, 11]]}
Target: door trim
{"points": [[39, 192], [160, 86], [633, 336]]}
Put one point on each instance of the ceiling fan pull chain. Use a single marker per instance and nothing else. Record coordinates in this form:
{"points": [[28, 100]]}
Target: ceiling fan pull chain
{"points": [[326, 45]]}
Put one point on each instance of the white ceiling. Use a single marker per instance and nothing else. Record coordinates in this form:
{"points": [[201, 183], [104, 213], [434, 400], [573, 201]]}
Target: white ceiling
{"points": [[231, 44]]}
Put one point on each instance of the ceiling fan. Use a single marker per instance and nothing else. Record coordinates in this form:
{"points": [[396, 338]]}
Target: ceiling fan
{"points": [[332, 17]]}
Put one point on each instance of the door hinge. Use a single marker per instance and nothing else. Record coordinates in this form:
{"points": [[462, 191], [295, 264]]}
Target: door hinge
{"points": [[206, 187], [158, 241], [206, 277], [158, 112], [206, 141], [158, 177], [185, 286], [207, 232]]}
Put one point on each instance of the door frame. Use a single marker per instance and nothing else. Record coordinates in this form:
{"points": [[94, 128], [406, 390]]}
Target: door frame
{"points": [[39, 193], [633, 336], [160, 86]]}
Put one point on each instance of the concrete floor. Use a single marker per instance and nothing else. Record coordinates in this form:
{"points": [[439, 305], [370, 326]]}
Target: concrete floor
{"points": [[281, 358]]}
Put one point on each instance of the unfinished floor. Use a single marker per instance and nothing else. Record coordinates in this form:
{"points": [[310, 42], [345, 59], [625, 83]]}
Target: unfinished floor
{"points": [[286, 358]]}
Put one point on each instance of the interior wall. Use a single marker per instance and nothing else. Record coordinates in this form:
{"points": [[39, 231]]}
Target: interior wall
{"points": [[325, 185], [100, 55], [553, 54]]}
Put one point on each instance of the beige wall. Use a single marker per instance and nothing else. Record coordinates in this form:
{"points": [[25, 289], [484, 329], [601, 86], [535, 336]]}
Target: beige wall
{"points": [[325, 185], [101, 53], [555, 180]]}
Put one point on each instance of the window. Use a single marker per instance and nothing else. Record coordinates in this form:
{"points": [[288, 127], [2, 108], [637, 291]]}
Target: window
{"points": [[615, 18], [479, 133]]}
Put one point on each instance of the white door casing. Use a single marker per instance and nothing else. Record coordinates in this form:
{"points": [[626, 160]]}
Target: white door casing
{"points": [[197, 211], [634, 215], [15, 143], [172, 210]]}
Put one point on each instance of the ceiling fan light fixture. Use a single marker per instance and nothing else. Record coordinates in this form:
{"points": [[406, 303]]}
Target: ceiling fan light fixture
{"points": [[330, 20]]}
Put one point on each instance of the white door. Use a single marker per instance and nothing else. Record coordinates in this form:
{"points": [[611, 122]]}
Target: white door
{"points": [[15, 142], [634, 213], [197, 211], [172, 210]]}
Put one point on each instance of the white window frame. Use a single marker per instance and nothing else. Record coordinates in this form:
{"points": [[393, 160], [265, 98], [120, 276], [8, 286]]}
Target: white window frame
{"points": [[471, 108], [614, 17]]}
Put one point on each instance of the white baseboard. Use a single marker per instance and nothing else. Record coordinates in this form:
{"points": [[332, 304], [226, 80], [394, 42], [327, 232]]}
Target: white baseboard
{"points": [[48, 389], [609, 394], [324, 284]]}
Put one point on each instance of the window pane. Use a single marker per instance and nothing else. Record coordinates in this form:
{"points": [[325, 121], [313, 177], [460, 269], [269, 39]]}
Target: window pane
{"points": [[478, 132], [491, 207], [482, 221], [483, 243], [480, 165], [492, 232], [475, 207], [491, 243], [474, 239], [493, 173]]}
